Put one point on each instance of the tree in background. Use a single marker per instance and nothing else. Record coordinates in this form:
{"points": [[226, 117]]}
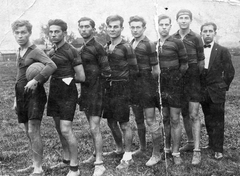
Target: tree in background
{"points": [[102, 36]]}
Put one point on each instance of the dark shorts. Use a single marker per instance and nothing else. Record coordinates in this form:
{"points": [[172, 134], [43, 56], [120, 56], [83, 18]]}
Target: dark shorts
{"points": [[144, 90], [192, 86], [171, 85], [91, 99], [62, 99], [116, 102], [30, 106]]}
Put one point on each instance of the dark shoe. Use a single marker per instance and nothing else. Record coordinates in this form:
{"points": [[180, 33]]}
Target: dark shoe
{"points": [[187, 148], [218, 155], [196, 157], [124, 164]]}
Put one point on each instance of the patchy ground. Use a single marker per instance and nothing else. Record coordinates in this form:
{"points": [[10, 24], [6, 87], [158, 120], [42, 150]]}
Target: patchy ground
{"points": [[14, 152]]}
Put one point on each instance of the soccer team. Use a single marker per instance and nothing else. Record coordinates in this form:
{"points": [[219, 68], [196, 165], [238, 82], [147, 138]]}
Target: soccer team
{"points": [[121, 75]]}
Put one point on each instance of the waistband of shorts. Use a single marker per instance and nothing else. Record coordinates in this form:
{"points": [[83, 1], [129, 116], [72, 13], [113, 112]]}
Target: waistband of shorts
{"points": [[169, 68], [119, 80], [167, 64], [60, 78]]}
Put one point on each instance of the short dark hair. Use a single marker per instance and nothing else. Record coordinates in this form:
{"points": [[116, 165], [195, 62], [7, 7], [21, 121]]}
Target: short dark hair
{"points": [[209, 24], [19, 23], [115, 18], [163, 16], [92, 23], [58, 22], [136, 19]]}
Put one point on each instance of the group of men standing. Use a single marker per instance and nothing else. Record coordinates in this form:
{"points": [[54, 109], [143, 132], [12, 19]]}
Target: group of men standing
{"points": [[121, 75]]}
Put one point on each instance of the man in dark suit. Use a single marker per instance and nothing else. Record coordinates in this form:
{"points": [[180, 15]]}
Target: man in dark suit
{"points": [[216, 78]]}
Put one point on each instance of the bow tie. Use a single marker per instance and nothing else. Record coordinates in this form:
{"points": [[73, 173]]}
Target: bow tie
{"points": [[207, 46]]}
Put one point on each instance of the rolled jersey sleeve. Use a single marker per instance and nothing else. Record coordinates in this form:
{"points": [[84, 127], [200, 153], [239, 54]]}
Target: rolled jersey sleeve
{"points": [[76, 58], [132, 60], [103, 62], [182, 52], [49, 68], [200, 49], [152, 53]]}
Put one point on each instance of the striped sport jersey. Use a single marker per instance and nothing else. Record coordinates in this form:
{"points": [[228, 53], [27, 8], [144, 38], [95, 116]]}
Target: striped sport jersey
{"points": [[95, 61], [122, 60], [172, 53], [146, 54], [194, 46], [66, 57]]}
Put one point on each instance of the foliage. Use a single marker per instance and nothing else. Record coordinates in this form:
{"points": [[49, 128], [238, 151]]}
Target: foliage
{"points": [[102, 36]]}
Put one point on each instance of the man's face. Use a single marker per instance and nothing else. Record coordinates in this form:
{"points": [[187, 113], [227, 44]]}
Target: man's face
{"points": [[85, 29], [56, 34], [164, 27], [137, 29], [22, 35], [114, 29], [184, 21], [208, 34]]}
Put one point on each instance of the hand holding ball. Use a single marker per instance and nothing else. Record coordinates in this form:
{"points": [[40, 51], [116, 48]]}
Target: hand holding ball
{"points": [[34, 69]]}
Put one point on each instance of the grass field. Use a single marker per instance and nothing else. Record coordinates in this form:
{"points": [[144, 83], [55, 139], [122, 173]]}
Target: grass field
{"points": [[14, 151]]}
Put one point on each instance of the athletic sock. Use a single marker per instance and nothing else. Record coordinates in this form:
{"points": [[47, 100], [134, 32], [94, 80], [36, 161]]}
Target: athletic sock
{"points": [[127, 156], [74, 168]]}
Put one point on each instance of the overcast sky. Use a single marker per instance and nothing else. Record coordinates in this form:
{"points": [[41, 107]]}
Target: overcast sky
{"points": [[224, 12]]}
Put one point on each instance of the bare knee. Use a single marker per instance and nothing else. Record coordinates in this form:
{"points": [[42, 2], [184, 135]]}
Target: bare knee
{"points": [[94, 128], [150, 121], [33, 129], [194, 116], [94, 122], [66, 132], [175, 122]]}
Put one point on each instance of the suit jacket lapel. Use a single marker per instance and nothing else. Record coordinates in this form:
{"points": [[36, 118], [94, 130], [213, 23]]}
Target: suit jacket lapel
{"points": [[213, 55]]}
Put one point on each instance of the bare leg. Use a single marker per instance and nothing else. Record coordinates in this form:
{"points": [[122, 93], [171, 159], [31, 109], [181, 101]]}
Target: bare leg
{"points": [[176, 129], [196, 123], [156, 132], [66, 152], [167, 126], [127, 135], [94, 122], [187, 122], [67, 133], [36, 144]]}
